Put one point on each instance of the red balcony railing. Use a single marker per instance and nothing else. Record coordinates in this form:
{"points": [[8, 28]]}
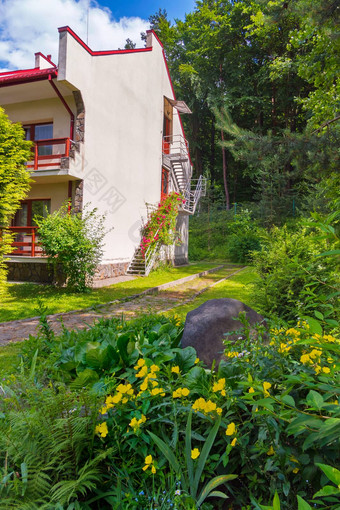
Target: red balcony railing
{"points": [[49, 160], [25, 242]]}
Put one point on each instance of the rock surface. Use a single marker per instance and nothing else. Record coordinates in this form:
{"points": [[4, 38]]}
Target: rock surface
{"points": [[206, 326]]}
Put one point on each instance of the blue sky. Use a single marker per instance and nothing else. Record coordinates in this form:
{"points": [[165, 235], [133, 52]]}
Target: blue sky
{"points": [[29, 26], [143, 9]]}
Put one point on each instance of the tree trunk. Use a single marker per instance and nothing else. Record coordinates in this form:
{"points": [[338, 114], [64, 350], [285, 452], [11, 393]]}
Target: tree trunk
{"points": [[274, 117], [225, 169], [212, 150], [197, 151]]}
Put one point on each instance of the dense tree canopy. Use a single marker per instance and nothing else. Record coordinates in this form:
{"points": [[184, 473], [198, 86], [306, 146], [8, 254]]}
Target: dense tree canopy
{"points": [[271, 69]]}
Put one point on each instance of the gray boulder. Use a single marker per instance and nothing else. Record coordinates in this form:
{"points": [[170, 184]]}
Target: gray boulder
{"points": [[205, 327]]}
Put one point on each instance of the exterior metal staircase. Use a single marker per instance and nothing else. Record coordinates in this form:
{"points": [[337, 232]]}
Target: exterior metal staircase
{"points": [[177, 161]]}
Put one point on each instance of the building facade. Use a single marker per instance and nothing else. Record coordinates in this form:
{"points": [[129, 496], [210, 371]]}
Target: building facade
{"points": [[108, 134]]}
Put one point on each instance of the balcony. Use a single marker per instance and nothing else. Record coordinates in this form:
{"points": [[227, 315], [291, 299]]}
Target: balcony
{"points": [[56, 157], [25, 242], [175, 150]]}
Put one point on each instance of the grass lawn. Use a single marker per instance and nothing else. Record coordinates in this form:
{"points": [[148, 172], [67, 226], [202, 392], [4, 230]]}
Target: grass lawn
{"points": [[22, 300], [237, 287]]}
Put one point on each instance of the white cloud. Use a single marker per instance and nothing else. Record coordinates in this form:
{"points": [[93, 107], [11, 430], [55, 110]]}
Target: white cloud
{"points": [[29, 26]]}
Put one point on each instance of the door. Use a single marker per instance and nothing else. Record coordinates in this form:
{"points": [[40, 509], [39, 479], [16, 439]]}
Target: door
{"points": [[165, 183], [167, 126]]}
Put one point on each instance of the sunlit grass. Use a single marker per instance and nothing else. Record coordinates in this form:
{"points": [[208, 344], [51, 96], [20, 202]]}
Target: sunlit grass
{"points": [[238, 287], [22, 300]]}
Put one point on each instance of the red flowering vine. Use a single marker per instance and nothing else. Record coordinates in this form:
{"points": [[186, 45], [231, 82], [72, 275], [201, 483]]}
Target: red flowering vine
{"points": [[161, 226]]}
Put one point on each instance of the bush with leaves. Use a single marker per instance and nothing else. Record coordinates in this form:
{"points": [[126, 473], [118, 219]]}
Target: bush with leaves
{"points": [[74, 242], [298, 271], [224, 234]]}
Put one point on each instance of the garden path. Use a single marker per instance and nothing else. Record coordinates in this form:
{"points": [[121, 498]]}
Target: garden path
{"points": [[154, 301]]}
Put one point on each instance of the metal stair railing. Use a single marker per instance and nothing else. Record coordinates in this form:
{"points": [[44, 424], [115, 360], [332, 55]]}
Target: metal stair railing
{"points": [[192, 197], [151, 256]]}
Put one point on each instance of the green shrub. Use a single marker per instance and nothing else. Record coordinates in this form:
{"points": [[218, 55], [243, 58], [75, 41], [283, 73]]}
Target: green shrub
{"points": [[74, 242], [295, 281], [221, 234], [241, 247]]}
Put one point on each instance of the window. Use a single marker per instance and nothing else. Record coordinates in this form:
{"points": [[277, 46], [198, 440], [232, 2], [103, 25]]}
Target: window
{"points": [[37, 132], [24, 217]]}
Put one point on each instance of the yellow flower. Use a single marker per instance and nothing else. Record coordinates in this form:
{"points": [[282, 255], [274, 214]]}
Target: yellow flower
{"points": [[124, 388], [144, 385], [154, 368], [175, 370], [271, 451], [317, 369], [109, 402], [233, 441], [296, 470], [326, 370], [143, 371], [266, 386], [135, 424], [219, 386], [210, 406], [158, 391], [231, 429], [251, 390], [117, 398], [103, 410], [180, 392], [219, 410], [305, 358], [102, 429], [195, 453], [149, 463], [197, 360], [140, 364]]}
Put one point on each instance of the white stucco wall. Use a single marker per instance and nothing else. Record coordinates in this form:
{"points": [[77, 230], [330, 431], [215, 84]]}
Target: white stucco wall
{"points": [[56, 192], [123, 97], [44, 110]]}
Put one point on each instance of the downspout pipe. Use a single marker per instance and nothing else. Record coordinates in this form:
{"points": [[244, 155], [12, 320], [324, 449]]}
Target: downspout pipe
{"points": [[65, 105]]}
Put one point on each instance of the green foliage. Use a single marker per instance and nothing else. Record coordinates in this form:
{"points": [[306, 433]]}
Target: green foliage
{"points": [[73, 242], [47, 451], [222, 234], [5, 244], [14, 181], [283, 165], [14, 177], [164, 423], [295, 279]]}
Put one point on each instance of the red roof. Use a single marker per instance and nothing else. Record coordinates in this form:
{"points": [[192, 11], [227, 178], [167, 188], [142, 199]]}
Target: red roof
{"points": [[26, 75]]}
